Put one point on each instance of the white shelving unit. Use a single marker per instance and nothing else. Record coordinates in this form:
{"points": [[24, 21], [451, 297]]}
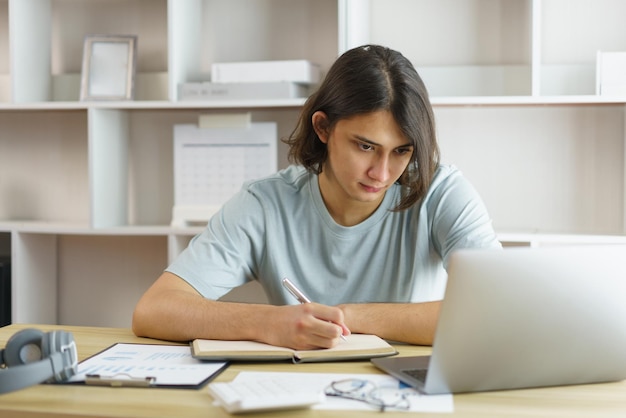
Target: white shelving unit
{"points": [[86, 188]]}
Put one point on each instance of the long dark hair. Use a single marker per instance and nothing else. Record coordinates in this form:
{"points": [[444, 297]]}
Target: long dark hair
{"points": [[363, 80]]}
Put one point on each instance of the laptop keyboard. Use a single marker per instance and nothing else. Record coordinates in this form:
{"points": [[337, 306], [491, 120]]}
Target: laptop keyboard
{"points": [[418, 374]]}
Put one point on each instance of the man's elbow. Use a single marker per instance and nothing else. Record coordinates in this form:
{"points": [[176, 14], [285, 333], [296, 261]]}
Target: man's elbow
{"points": [[140, 320]]}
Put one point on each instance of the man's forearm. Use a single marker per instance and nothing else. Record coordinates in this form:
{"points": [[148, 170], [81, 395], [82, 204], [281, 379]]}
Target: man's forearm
{"points": [[172, 310], [181, 316], [413, 323]]}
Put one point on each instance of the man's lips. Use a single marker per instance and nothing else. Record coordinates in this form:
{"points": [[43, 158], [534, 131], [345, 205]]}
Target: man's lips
{"points": [[372, 189]]}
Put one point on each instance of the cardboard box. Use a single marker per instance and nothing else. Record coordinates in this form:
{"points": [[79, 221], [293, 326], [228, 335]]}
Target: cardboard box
{"points": [[241, 91], [297, 71]]}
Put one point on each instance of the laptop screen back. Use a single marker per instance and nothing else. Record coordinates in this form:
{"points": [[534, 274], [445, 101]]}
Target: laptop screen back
{"points": [[531, 317]]}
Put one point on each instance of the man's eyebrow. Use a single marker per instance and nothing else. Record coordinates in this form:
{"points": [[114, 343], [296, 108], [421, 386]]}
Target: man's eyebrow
{"points": [[363, 139]]}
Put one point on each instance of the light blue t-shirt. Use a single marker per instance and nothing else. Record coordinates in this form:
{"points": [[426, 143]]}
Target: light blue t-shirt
{"points": [[279, 227]]}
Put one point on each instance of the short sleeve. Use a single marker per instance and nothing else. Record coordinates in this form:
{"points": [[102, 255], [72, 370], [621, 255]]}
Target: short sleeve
{"points": [[459, 217], [226, 253]]}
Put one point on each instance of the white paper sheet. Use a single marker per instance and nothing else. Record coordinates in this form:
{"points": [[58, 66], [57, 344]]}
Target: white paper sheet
{"points": [[316, 382]]}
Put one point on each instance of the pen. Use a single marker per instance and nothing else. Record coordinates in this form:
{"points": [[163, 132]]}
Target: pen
{"points": [[299, 295]]}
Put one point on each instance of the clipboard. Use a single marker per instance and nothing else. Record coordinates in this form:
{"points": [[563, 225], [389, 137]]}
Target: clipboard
{"points": [[146, 366], [120, 380]]}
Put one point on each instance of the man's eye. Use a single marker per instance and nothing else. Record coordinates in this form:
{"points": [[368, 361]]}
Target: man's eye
{"points": [[365, 147]]}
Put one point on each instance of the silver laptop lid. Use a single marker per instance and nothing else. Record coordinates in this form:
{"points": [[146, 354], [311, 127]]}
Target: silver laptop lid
{"points": [[527, 317]]}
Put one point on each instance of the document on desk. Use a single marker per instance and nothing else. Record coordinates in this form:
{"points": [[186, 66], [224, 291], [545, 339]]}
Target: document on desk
{"points": [[316, 382], [147, 365]]}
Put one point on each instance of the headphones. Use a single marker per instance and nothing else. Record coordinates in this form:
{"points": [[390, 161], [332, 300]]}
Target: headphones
{"points": [[32, 356]]}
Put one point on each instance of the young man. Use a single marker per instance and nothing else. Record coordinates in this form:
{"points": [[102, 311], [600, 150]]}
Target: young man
{"points": [[363, 224]]}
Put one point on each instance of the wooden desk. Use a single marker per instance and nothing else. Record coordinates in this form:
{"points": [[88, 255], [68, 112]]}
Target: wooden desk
{"points": [[599, 400]]}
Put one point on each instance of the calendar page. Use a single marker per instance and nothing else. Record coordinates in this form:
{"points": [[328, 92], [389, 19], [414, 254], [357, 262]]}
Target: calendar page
{"points": [[211, 164]]}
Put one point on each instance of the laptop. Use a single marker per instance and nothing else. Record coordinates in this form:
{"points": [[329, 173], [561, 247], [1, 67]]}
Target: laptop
{"points": [[525, 317]]}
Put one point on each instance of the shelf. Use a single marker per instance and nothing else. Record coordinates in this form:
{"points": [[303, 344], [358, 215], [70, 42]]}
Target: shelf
{"points": [[539, 239], [526, 100], [157, 104], [51, 228], [298, 103], [61, 228]]}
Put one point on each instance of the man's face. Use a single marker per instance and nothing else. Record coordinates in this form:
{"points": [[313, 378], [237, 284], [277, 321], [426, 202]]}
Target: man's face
{"points": [[367, 154]]}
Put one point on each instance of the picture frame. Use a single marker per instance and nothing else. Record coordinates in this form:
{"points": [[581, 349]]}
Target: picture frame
{"points": [[108, 69]]}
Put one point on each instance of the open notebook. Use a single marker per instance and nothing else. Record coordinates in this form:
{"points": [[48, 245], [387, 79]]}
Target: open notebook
{"points": [[356, 346]]}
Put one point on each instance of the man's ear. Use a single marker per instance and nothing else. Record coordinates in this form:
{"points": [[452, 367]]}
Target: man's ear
{"points": [[320, 125]]}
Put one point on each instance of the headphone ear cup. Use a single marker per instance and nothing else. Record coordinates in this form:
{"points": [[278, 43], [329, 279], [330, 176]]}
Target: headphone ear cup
{"points": [[48, 341], [23, 347], [54, 342]]}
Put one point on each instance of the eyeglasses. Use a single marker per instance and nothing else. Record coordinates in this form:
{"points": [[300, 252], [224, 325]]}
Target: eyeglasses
{"points": [[368, 392]]}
